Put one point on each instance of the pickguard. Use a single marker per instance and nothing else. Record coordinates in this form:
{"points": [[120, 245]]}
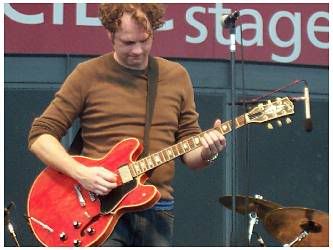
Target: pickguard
{"points": [[110, 201]]}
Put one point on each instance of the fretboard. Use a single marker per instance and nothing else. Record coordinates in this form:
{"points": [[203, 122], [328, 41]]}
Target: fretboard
{"points": [[157, 159]]}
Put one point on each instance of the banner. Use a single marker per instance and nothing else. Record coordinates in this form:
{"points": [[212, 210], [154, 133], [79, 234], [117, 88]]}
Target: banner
{"points": [[294, 33]]}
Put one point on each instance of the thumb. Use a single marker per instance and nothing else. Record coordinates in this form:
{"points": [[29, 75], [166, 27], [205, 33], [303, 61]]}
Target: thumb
{"points": [[217, 123]]}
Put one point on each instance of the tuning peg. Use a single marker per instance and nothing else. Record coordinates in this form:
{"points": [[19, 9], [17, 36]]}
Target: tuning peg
{"points": [[270, 126], [288, 120], [279, 123]]}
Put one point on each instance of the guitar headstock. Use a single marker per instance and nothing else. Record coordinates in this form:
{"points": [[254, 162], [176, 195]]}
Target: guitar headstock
{"points": [[270, 111]]}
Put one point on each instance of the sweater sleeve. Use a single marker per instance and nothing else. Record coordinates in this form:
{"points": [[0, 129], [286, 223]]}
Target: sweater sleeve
{"points": [[63, 109], [188, 120]]}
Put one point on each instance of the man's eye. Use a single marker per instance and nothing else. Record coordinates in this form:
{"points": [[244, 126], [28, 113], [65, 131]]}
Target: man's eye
{"points": [[128, 43]]}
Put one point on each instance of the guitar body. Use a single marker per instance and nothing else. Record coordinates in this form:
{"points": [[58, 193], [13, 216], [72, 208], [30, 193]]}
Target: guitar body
{"points": [[61, 212]]}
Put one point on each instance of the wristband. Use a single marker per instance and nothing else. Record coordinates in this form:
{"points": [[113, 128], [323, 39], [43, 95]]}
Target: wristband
{"points": [[212, 159]]}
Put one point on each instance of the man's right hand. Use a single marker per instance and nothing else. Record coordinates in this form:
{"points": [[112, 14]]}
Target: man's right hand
{"points": [[98, 180]]}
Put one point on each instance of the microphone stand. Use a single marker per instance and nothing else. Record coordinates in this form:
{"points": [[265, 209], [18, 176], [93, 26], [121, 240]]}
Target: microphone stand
{"points": [[231, 27]]}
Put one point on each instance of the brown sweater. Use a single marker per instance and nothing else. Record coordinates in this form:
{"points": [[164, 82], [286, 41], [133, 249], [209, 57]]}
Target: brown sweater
{"points": [[110, 101]]}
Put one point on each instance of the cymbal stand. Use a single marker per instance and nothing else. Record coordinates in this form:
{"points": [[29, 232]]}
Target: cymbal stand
{"points": [[10, 226], [300, 237], [12, 233], [259, 239], [253, 219]]}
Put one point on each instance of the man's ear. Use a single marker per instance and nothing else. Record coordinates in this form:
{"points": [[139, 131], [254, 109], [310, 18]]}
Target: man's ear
{"points": [[110, 36]]}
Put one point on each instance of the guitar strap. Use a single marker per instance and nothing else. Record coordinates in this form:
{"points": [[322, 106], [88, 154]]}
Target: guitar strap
{"points": [[150, 101], [77, 143]]}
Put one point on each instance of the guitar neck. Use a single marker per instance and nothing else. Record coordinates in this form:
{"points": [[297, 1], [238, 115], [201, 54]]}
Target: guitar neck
{"points": [[154, 160]]}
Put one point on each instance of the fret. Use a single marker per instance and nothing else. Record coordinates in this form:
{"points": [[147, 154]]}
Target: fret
{"points": [[226, 127], [185, 146], [220, 129], [157, 159], [196, 141], [236, 123], [132, 170], [180, 148], [190, 143], [150, 163], [161, 156], [241, 121], [137, 168], [175, 150], [170, 153], [165, 155], [143, 165]]}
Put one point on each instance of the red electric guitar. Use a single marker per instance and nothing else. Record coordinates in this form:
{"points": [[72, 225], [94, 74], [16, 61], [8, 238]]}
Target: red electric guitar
{"points": [[62, 213]]}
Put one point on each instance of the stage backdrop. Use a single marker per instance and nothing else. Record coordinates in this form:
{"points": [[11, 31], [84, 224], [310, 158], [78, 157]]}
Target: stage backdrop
{"points": [[286, 33]]}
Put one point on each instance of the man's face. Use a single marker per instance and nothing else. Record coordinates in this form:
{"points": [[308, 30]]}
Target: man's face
{"points": [[131, 43]]}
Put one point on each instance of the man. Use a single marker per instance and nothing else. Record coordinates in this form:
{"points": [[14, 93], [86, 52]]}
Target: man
{"points": [[108, 94]]}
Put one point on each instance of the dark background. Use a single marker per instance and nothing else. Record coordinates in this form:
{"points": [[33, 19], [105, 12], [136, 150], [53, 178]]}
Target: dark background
{"points": [[285, 165]]}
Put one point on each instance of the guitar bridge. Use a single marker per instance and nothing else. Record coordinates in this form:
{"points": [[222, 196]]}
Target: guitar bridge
{"points": [[79, 195]]}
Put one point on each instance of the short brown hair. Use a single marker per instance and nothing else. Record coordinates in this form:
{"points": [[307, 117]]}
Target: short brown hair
{"points": [[110, 14]]}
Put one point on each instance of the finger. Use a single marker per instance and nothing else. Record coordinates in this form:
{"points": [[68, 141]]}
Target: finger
{"points": [[204, 143], [107, 184], [223, 142], [211, 144], [216, 138], [219, 140], [108, 175], [100, 190]]}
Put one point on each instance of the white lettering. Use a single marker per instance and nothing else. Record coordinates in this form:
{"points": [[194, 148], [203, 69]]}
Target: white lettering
{"points": [[312, 29], [257, 26], [22, 18], [219, 11], [255, 30], [58, 13], [199, 26], [294, 40], [82, 19]]}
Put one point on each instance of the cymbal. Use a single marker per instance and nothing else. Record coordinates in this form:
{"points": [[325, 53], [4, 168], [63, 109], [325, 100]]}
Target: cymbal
{"points": [[248, 204], [285, 224]]}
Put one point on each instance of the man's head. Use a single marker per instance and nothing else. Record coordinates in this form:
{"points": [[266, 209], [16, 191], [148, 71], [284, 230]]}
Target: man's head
{"points": [[130, 28]]}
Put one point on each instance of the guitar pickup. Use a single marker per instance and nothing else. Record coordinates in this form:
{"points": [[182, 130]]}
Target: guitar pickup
{"points": [[79, 195]]}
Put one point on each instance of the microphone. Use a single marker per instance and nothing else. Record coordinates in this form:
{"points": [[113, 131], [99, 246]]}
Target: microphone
{"points": [[227, 20], [308, 120]]}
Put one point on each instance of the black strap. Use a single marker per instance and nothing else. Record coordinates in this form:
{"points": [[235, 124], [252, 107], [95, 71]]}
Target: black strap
{"points": [[151, 96], [77, 143]]}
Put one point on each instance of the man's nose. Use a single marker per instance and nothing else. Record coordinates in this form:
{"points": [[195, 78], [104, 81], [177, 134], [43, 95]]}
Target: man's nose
{"points": [[137, 49]]}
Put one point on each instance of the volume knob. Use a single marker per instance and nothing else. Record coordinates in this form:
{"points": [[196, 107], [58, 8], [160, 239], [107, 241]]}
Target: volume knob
{"points": [[76, 243], [90, 230], [76, 224], [63, 236]]}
